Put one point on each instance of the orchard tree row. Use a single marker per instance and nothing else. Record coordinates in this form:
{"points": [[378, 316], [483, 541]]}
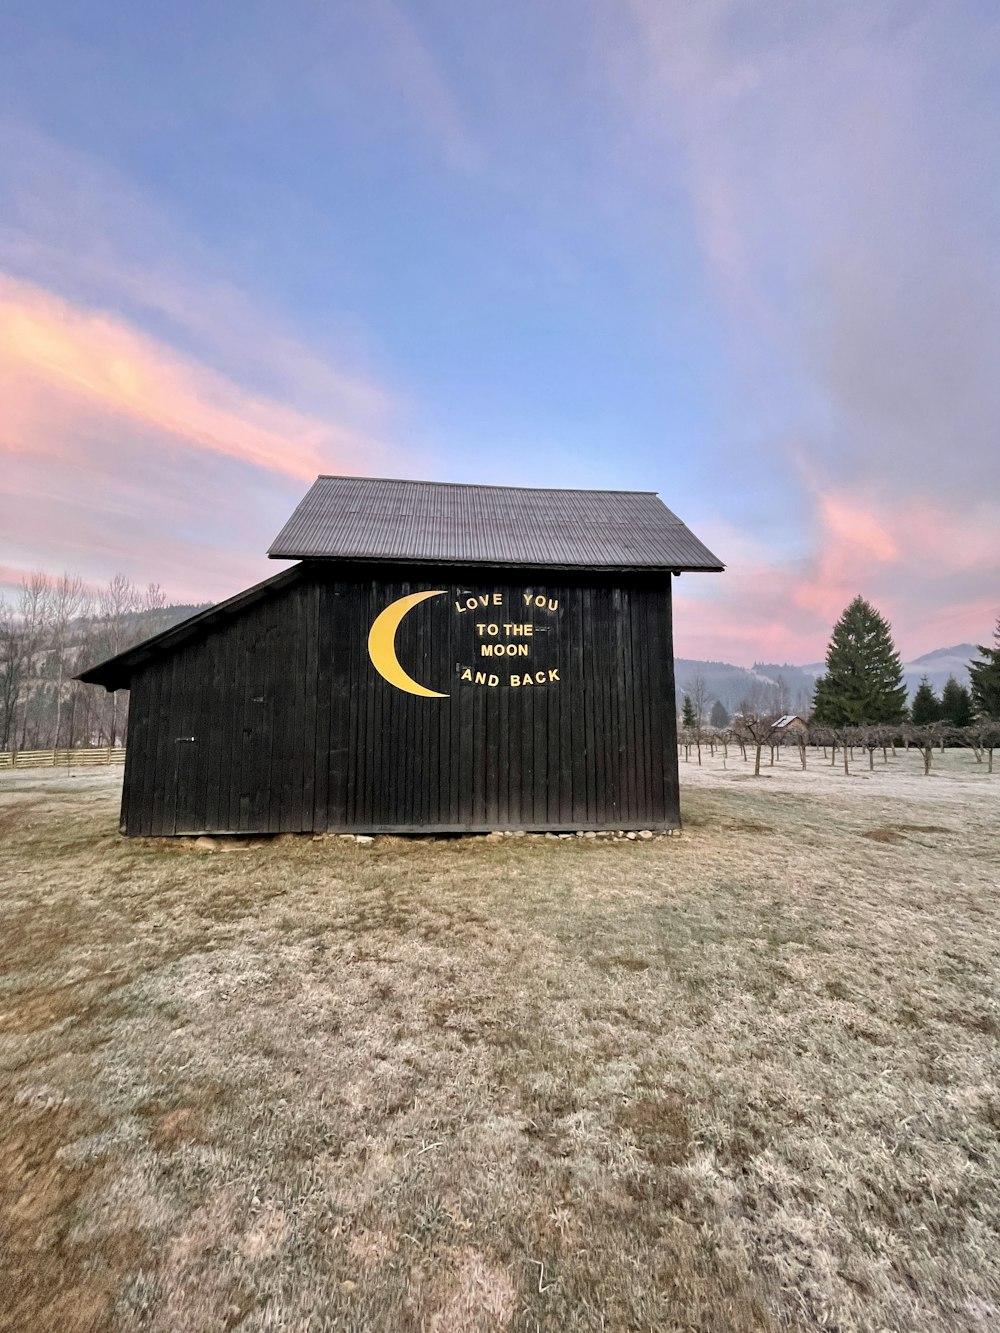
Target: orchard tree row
{"points": [[754, 733]]}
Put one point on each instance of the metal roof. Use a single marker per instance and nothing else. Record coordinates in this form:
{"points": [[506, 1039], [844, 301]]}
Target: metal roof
{"points": [[366, 518]]}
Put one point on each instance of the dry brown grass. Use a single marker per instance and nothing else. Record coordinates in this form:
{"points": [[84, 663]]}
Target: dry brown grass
{"points": [[744, 1079]]}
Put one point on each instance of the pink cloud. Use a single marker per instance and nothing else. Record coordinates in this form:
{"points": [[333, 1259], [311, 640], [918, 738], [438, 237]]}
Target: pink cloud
{"points": [[863, 530], [924, 564], [852, 541], [11, 576], [92, 362], [120, 454], [115, 250]]}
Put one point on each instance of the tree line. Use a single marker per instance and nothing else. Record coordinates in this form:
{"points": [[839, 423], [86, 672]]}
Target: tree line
{"points": [[53, 629], [861, 700]]}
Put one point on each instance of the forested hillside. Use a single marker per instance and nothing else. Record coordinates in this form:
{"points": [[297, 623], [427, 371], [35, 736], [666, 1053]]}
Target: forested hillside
{"points": [[54, 628]]}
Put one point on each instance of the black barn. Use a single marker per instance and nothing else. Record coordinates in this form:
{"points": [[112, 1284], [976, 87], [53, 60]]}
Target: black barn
{"points": [[442, 659]]}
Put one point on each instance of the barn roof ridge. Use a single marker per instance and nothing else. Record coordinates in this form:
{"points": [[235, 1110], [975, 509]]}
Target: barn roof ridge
{"points": [[484, 485]]}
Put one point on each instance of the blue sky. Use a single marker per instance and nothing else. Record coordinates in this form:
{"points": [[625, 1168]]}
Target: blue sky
{"points": [[742, 254]]}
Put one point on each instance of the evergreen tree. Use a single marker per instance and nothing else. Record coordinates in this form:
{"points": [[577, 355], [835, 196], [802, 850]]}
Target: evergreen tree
{"points": [[687, 713], [719, 716], [956, 703], [926, 706], [986, 679], [863, 682]]}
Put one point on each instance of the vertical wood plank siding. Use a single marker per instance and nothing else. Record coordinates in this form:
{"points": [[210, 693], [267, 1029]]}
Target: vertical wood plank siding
{"points": [[277, 721]]}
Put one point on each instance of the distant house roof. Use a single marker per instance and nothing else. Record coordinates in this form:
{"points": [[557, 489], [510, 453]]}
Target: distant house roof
{"points": [[365, 518], [789, 720]]}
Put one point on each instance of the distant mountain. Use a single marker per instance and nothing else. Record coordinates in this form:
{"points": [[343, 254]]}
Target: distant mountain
{"points": [[939, 665], [939, 657], [793, 686]]}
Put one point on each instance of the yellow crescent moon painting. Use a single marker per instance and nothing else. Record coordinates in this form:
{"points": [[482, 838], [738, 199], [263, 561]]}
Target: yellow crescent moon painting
{"points": [[382, 644]]}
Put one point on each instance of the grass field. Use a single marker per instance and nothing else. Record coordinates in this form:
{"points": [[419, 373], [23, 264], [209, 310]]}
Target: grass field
{"points": [[745, 1078]]}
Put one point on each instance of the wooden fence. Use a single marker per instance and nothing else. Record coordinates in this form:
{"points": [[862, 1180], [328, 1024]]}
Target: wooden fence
{"points": [[107, 754]]}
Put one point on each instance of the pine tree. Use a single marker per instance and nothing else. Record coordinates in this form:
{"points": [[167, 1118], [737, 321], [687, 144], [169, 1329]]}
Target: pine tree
{"points": [[926, 706], [985, 676], [863, 683], [956, 703], [687, 713], [719, 716]]}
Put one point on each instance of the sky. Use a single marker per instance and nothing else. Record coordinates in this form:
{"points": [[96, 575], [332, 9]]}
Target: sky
{"points": [[743, 253]]}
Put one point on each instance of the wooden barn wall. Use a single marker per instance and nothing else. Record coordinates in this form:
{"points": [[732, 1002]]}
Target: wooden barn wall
{"points": [[277, 720]]}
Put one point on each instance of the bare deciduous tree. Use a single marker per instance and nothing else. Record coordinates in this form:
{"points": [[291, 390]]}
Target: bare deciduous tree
{"points": [[924, 740], [153, 602], [118, 602], [12, 672], [68, 601], [783, 695], [34, 613], [53, 629], [697, 691], [757, 721]]}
